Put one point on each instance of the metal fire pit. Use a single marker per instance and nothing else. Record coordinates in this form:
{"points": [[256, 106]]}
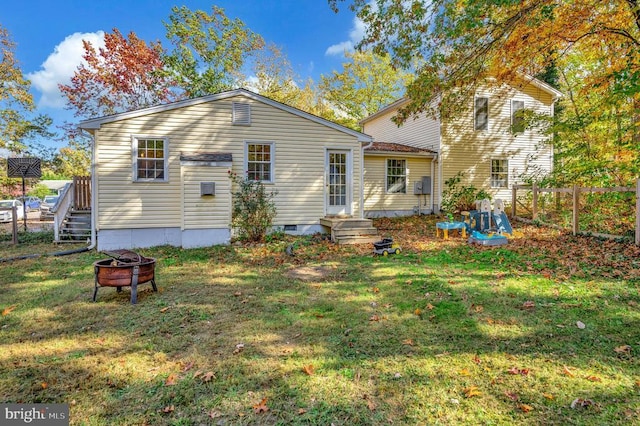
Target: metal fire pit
{"points": [[125, 269]]}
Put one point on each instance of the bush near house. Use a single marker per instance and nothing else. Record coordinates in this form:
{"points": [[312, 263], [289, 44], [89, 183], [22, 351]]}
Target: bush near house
{"points": [[253, 209]]}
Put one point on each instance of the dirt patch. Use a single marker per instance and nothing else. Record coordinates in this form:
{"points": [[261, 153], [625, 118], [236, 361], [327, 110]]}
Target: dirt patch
{"points": [[310, 273]]}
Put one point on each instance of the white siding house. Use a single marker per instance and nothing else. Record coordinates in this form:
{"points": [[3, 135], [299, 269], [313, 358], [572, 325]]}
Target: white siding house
{"points": [[160, 174], [480, 142]]}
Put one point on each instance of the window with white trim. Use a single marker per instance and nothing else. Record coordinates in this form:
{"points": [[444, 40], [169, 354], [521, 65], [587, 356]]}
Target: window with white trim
{"points": [[481, 113], [150, 159], [499, 173], [259, 161], [396, 176], [517, 119]]}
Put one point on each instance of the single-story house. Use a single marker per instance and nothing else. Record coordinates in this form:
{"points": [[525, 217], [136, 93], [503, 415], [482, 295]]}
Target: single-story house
{"points": [[406, 166], [160, 175]]}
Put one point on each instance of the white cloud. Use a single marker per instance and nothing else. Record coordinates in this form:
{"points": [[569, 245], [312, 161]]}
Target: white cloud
{"points": [[356, 34], [60, 66]]}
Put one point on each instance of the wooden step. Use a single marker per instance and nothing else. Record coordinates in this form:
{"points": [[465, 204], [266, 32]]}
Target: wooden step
{"points": [[336, 232], [361, 239]]}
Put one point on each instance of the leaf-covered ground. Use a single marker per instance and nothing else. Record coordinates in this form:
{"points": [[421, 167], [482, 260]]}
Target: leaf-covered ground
{"points": [[544, 330]]}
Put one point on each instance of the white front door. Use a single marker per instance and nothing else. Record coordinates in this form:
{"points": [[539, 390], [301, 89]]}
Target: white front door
{"points": [[338, 182]]}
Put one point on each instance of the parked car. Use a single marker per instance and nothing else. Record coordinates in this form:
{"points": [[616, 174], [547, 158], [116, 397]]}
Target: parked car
{"points": [[31, 203], [6, 214], [46, 206]]}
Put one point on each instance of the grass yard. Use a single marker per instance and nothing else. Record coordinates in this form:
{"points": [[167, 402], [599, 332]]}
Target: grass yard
{"points": [[545, 330]]}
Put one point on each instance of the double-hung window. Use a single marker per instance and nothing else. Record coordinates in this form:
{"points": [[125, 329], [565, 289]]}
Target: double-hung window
{"points": [[396, 176], [499, 173], [481, 113], [150, 159], [260, 161]]}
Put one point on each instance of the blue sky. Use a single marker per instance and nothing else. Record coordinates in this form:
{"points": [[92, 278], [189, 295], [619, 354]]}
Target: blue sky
{"points": [[48, 34]]}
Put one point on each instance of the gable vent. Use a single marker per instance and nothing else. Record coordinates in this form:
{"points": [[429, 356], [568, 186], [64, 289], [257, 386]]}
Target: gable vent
{"points": [[241, 113]]}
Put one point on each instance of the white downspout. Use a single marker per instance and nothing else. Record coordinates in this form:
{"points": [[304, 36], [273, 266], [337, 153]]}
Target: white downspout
{"points": [[94, 197], [362, 148]]}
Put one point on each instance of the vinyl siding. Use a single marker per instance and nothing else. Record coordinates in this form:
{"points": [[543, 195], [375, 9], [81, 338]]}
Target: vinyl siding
{"points": [[209, 211], [470, 151], [423, 132], [375, 196], [300, 146]]}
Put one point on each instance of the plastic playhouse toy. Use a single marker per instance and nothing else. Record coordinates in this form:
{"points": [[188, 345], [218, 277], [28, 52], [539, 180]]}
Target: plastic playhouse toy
{"points": [[446, 226], [385, 247]]}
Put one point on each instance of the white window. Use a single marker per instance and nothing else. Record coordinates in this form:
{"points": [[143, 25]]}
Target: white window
{"points": [[482, 113], [150, 158], [517, 120], [499, 173], [259, 162], [241, 114], [396, 176]]}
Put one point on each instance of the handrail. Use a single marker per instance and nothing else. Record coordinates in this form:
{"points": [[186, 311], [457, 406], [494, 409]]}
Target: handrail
{"points": [[61, 208]]}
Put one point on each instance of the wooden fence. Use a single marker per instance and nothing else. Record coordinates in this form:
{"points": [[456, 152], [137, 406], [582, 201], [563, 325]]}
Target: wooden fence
{"points": [[575, 192], [82, 192]]}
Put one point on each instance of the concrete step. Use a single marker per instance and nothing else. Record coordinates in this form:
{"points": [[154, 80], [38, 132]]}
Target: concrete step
{"points": [[362, 239]]}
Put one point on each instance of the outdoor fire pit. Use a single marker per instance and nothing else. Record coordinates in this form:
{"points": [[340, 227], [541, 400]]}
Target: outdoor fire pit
{"points": [[125, 269]]}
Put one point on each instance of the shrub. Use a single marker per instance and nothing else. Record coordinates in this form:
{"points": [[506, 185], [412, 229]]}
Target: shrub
{"points": [[253, 209], [457, 197]]}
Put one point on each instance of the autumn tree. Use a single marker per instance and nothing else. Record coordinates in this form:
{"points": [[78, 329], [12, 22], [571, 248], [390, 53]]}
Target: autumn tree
{"points": [[464, 41], [17, 121], [123, 75], [208, 50], [273, 76], [366, 83]]}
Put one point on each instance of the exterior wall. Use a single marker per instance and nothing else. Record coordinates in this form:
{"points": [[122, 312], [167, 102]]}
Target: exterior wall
{"points": [[470, 151], [203, 212], [423, 132], [300, 148], [378, 203]]}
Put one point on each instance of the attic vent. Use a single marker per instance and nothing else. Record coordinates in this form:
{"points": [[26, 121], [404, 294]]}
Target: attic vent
{"points": [[241, 114]]}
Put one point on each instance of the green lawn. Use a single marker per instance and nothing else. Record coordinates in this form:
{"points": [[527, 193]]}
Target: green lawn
{"points": [[545, 330]]}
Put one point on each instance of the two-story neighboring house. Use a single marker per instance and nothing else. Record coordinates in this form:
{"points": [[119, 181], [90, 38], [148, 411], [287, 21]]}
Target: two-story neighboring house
{"points": [[406, 166]]}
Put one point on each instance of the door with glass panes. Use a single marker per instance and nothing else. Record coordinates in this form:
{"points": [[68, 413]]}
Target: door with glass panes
{"points": [[338, 182]]}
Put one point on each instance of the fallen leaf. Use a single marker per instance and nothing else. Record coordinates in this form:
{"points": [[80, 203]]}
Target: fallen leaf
{"points": [[581, 325], [623, 349], [512, 396], [168, 409], [100, 341], [261, 407], [171, 380], [370, 404], [471, 391], [374, 318], [409, 342], [581, 403], [44, 385], [409, 282], [301, 411], [308, 369], [187, 367], [197, 373], [208, 376], [239, 348], [477, 359], [319, 316], [214, 414], [529, 304], [567, 372], [525, 408], [430, 306], [387, 305], [376, 290], [237, 294], [593, 378], [464, 372], [478, 308], [417, 312], [516, 370], [163, 310], [548, 396], [7, 311]]}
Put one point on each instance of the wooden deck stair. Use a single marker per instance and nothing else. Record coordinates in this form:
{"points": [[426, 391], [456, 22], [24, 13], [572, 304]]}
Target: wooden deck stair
{"points": [[350, 230]]}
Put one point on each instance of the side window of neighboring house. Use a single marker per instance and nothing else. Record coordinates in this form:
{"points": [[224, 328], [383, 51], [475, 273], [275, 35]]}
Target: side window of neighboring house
{"points": [[517, 120], [259, 162], [481, 113], [396, 176], [150, 159], [499, 173]]}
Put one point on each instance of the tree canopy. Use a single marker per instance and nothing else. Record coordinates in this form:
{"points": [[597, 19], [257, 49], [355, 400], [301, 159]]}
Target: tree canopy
{"points": [[464, 41], [125, 74]]}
